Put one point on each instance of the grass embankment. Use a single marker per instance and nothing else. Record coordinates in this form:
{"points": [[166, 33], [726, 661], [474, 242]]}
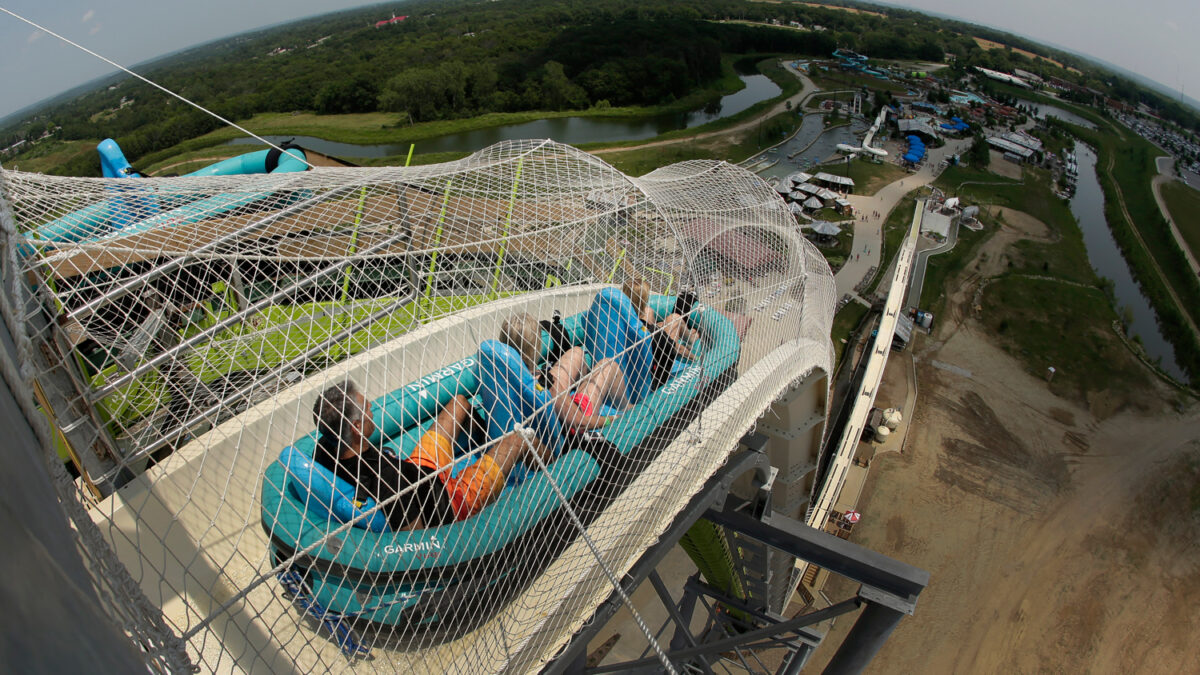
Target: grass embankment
{"points": [[869, 177], [1046, 306], [845, 322], [1184, 204], [1125, 168]]}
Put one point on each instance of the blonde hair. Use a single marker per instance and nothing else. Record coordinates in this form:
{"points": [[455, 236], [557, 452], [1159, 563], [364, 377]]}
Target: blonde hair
{"points": [[639, 292], [523, 333]]}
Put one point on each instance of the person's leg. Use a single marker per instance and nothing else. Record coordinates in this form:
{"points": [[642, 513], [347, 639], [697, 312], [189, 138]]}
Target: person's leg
{"points": [[481, 483], [435, 450], [605, 384], [570, 367]]}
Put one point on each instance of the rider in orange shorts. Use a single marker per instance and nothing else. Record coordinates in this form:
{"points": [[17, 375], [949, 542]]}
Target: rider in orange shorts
{"points": [[436, 498]]}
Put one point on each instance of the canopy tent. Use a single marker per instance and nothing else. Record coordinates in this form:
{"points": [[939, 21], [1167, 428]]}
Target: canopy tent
{"points": [[813, 203], [826, 228]]}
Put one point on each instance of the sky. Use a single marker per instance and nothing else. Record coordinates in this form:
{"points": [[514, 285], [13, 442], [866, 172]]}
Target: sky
{"points": [[1150, 37]]}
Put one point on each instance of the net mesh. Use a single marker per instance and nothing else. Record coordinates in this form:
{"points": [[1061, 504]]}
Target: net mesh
{"points": [[390, 418]]}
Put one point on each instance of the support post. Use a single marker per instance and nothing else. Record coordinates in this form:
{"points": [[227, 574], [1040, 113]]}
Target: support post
{"points": [[875, 623]]}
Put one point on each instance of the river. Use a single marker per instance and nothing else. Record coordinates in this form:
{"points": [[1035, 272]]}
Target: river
{"points": [[1106, 259], [572, 130]]}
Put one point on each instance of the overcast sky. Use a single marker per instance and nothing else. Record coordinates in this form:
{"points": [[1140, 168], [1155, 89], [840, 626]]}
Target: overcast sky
{"points": [[1150, 37]]}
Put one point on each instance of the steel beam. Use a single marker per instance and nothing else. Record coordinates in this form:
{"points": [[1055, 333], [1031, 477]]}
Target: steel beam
{"points": [[840, 556]]}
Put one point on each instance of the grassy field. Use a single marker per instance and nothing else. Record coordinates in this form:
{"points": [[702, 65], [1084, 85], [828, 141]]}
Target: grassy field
{"points": [[48, 154], [944, 267], [1184, 204], [395, 128], [818, 99], [868, 177], [1033, 317], [836, 254]]}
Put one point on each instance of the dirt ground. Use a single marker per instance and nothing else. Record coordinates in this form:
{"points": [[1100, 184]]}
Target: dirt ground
{"points": [[1002, 167], [1057, 541]]}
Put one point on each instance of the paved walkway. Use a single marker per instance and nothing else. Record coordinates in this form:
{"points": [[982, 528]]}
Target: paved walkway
{"points": [[868, 229], [1166, 173]]}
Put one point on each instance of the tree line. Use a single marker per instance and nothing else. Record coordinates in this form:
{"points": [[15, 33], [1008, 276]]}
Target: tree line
{"points": [[460, 58]]}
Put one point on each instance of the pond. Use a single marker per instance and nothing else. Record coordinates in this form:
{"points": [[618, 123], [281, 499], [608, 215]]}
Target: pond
{"points": [[572, 130], [1044, 109], [1106, 259]]}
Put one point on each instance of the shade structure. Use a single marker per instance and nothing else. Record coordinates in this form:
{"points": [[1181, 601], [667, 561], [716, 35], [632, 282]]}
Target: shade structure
{"points": [[827, 228]]}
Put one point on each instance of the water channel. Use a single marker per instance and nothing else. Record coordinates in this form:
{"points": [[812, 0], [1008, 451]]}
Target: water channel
{"points": [[811, 145], [1043, 110], [1106, 259], [572, 130]]}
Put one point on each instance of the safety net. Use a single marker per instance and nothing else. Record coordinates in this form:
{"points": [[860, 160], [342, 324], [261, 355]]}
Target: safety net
{"points": [[384, 418]]}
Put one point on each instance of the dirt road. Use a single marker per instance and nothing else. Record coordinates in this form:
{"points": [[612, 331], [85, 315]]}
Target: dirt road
{"points": [[1058, 541]]}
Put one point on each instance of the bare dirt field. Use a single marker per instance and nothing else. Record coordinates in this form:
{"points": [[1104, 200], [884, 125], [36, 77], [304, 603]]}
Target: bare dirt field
{"points": [[1059, 541]]}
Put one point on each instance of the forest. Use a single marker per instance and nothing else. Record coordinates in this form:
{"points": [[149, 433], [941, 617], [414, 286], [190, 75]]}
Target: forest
{"points": [[461, 58]]}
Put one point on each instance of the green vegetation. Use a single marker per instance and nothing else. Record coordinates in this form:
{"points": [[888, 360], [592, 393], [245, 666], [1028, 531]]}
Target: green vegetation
{"points": [[848, 318], [1124, 169], [450, 60], [841, 96], [1043, 290], [638, 161], [458, 59], [944, 267], [1184, 204], [837, 253], [1032, 316], [838, 79], [868, 177]]}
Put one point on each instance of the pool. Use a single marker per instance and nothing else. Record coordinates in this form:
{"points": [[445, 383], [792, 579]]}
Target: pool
{"points": [[966, 97]]}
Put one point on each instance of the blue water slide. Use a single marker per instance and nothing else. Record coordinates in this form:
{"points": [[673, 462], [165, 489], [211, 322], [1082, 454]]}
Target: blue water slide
{"points": [[131, 210]]}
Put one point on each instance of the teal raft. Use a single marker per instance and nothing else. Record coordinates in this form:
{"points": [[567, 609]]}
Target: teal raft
{"points": [[428, 583]]}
